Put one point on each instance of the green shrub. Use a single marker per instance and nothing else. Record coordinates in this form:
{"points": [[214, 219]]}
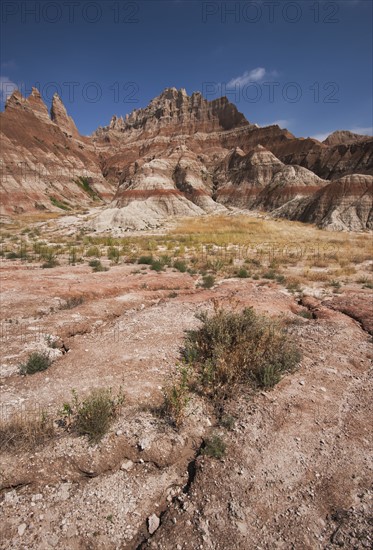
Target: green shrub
{"points": [[280, 279], [113, 254], [233, 348], [97, 266], [214, 447], [60, 204], [85, 184], [12, 256], [270, 274], [176, 398], [242, 273], [180, 266], [92, 417], [157, 266], [50, 256], [146, 260], [208, 281], [35, 363]]}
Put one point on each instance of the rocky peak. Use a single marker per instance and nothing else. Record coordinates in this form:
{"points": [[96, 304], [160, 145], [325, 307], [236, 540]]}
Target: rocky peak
{"points": [[341, 137], [33, 104], [15, 100], [60, 117], [173, 110]]}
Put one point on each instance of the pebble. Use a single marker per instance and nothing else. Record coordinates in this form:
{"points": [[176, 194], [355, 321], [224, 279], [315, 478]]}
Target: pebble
{"points": [[153, 523], [21, 529], [127, 465]]}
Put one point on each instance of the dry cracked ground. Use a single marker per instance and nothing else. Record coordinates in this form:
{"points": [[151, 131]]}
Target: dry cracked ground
{"points": [[297, 471]]}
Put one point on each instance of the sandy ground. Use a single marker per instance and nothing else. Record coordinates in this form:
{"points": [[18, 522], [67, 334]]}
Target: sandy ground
{"points": [[297, 471]]}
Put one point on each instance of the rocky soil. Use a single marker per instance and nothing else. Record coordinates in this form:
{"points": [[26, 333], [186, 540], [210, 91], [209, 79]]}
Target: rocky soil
{"points": [[297, 469]]}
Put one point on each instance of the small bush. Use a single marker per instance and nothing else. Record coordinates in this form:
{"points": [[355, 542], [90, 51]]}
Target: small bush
{"points": [[280, 279], [242, 273], [214, 447], [93, 252], [208, 281], [270, 274], [146, 260], [12, 256], [25, 431], [51, 261], [180, 266], [97, 266], [36, 362], [233, 348], [113, 254], [176, 398], [157, 266], [93, 416]]}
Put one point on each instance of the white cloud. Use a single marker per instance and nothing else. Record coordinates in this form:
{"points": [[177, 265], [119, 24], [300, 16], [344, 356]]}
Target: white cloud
{"points": [[255, 75], [7, 87], [367, 131]]}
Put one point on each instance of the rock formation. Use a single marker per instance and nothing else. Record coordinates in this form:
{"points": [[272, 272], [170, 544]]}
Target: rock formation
{"points": [[345, 204], [60, 117], [180, 155], [45, 163]]}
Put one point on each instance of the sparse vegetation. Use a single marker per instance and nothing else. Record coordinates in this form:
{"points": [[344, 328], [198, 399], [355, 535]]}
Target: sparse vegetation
{"points": [[176, 397], [208, 281], [146, 260], [92, 416], [232, 348], [51, 260], [36, 362], [157, 266], [242, 273], [180, 266], [113, 254], [214, 447], [25, 431], [60, 204], [97, 266], [85, 184]]}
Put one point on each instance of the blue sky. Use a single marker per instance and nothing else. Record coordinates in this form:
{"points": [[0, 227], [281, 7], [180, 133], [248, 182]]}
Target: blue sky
{"points": [[306, 65]]}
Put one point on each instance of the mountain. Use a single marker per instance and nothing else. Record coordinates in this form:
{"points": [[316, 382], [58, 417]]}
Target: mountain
{"points": [[43, 157], [180, 155]]}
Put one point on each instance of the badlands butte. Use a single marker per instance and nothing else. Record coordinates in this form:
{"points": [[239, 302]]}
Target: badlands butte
{"points": [[186, 328], [180, 156]]}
